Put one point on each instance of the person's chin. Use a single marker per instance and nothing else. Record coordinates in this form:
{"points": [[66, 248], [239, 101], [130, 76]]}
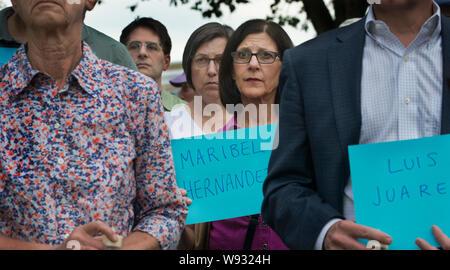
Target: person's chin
{"points": [[212, 87], [146, 71], [48, 20], [252, 92]]}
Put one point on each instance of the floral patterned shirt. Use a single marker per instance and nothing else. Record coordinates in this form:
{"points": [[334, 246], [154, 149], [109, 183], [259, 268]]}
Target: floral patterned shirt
{"points": [[97, 149]]}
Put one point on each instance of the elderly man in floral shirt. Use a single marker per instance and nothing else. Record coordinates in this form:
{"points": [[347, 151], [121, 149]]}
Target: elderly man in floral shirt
{"points": [[84, 150]]}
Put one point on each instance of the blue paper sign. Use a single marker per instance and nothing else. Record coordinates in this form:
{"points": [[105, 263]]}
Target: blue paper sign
{"points": [[6, 54], [403, 188], [223, 173]]}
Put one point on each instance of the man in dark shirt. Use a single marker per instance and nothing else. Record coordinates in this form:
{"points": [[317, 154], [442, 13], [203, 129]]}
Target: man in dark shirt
{"points": [[149, 44]]}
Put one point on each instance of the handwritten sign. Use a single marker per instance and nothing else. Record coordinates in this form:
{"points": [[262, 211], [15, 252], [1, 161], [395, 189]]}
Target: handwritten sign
{"points": [[6, 54], [223, 176], [403, 188]]}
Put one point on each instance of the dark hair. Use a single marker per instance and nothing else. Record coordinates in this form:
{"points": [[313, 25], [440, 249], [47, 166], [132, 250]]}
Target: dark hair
{"points": [[153, 25], [203, 34], [229, 93]]}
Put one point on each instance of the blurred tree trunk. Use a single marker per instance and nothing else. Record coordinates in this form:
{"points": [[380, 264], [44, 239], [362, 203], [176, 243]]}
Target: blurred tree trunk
{"points": [[320, 17], [347, 9]]}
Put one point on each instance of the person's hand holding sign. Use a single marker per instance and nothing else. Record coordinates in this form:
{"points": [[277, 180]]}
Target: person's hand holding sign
{"points": [[345, 234], [441, 238], [187, 200]]}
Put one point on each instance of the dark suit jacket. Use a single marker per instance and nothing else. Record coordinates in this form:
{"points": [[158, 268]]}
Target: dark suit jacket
{"points": [[320, 116]]}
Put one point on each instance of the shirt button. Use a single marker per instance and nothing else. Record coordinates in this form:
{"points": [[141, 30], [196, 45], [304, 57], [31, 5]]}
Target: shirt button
{"points": [[407, 100], [60, 161], [406, 59], [64, 89], [57, 125], [264, 246]]}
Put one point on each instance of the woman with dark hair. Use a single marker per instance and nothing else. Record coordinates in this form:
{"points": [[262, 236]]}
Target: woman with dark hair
{"points": [[269, 42], [201, 59], [249, 76]]}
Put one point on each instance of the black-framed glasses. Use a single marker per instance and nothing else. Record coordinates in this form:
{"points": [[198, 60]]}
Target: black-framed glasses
{"points": [[263, 57], [202, 60], [150, 46]]}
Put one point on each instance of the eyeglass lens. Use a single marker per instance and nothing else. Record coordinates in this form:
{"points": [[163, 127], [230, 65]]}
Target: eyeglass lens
{"points": [[263, 57], [202, 61], [137, 45]]}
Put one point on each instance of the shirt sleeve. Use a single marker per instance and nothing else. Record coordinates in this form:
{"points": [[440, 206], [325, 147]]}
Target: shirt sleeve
{"points": [[160, 209], [292, 205], [3, 176], [319, 242], [3, 179]]}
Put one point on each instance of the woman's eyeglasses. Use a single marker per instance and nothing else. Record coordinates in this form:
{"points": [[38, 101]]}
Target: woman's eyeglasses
{"points": [[263, 57], [202, 61]]}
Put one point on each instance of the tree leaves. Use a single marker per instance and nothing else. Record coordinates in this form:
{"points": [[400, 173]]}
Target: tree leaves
{"points": [[317, 11]]}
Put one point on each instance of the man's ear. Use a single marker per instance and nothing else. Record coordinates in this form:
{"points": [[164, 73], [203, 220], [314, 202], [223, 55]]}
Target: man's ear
{"points": [[166, 62], [90, 4]]}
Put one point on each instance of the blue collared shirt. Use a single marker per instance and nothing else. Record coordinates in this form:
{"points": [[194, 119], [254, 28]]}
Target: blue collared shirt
{"points": [[401, 87]]}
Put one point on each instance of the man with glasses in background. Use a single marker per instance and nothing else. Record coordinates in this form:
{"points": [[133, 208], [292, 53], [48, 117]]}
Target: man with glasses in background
{"points": [[149, 44]]}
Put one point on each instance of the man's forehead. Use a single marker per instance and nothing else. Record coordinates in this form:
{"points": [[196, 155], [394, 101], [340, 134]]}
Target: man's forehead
{"points": [[144, 34]]}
